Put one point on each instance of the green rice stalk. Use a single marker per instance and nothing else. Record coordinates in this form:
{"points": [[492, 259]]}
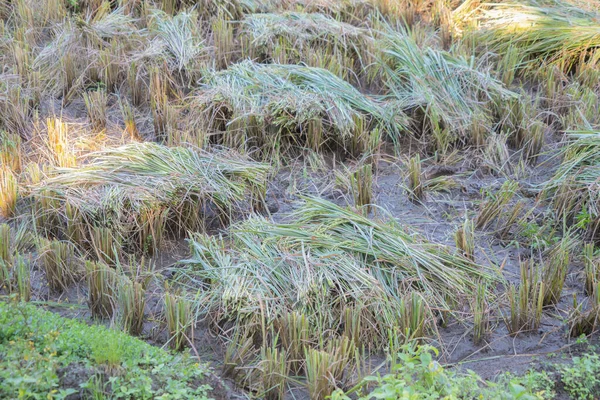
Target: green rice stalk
{"points": [[554, 32], [526, 302], [294, 331], [480, 316], [274, 372], [102, 285], [493, 207], [9, 192], [23, 278], [60, 264], [554, 271], [464, 238], [131, 302], [180, 321], [106, 245], [361, 183], [10, 151], [592, 271], [95, 103], [415, 179]]}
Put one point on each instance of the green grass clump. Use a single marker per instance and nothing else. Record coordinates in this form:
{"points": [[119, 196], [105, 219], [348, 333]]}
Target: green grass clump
{"points": [[415, 374], [38, 349]]}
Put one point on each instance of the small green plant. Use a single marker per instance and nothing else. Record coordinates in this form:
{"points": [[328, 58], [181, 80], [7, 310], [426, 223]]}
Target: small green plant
{"points": [[38, 345], [581, 379]]}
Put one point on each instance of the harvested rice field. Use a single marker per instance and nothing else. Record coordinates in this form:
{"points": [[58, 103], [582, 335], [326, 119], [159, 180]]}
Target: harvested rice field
{"points": [[299, 199]]}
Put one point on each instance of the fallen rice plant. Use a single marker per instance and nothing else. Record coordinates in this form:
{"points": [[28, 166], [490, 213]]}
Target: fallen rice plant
{"points": [[180, 39], [555, 32], [284, 100], [398, 263], [80, 49], [130, 194], [294, 38], [573, 189], [448, 91]]}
